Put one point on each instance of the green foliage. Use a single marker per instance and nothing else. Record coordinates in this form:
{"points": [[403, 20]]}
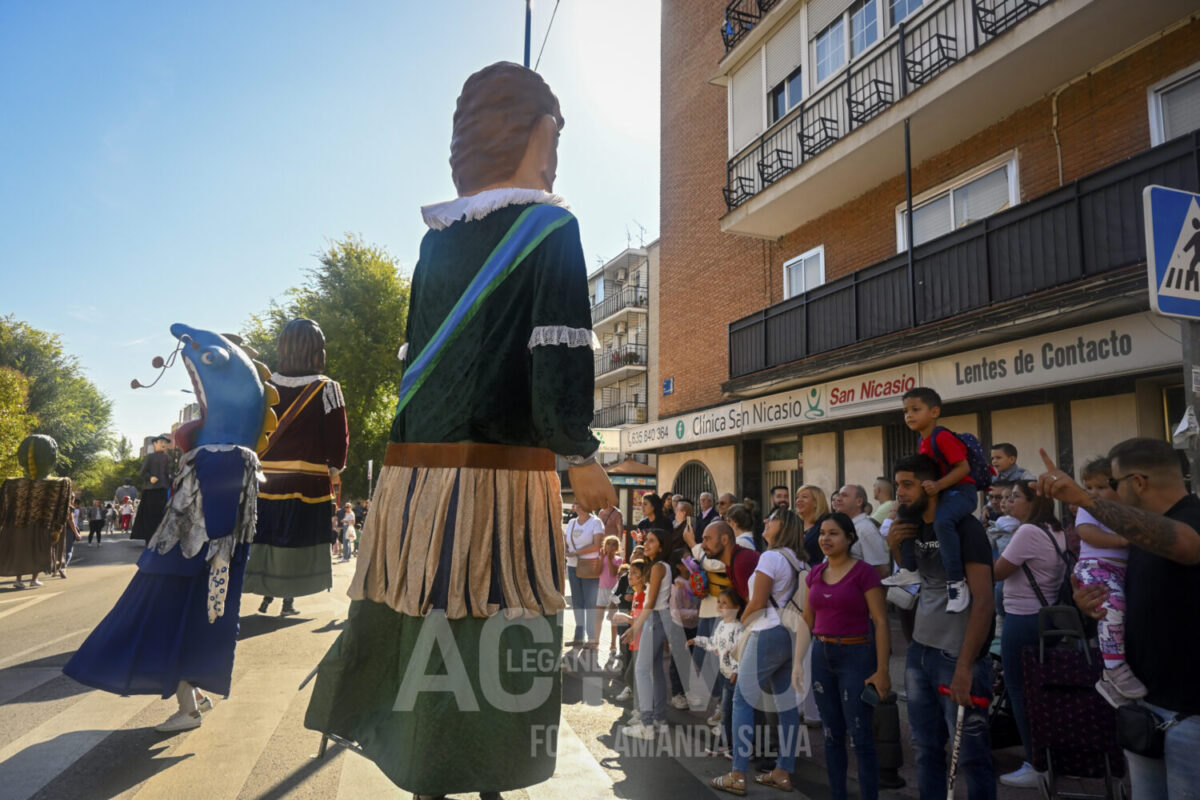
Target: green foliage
{"points": [[122, 449], [360, 300], [16, 422], [105, 475], [67, 406]]}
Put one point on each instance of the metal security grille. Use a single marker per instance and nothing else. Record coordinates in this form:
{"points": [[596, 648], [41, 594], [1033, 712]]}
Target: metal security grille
{"points": [[693, 479], [898, 441]]}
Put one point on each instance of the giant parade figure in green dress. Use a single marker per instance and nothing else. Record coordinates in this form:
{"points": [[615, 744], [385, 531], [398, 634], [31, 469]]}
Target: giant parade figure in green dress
{"points": [[447, 672]]}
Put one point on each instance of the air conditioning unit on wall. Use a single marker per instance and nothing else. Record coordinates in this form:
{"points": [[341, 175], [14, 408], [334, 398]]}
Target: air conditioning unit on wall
{"points": [[619, 328], [621, 276]]}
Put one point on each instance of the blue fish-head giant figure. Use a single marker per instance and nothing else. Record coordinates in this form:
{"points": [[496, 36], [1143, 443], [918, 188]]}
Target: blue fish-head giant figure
{"points": [[235, 403], [219, 471], [175, 627]]}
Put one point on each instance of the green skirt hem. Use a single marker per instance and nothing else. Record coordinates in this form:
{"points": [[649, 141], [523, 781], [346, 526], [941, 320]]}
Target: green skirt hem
{"points": [[288, 571], [444, 706]]}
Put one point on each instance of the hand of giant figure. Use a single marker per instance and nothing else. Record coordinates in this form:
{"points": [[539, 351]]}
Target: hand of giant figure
{"points": [[174, 628], [464, 544]]}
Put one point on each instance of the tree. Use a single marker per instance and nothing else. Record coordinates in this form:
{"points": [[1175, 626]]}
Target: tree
{"points": [[122, 450], [66, 404], [359, 298], [16, 422]]}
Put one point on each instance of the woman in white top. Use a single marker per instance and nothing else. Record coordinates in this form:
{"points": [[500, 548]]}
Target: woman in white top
{"points": [[764, 678], [1032, 569], [585, 536], [652, 625]]}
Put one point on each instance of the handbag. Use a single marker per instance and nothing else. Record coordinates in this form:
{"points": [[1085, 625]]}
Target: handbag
{"points": [[1142, 731], [586, 568]]}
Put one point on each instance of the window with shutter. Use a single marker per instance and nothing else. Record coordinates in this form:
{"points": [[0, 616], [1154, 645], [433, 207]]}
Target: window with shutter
{"points": [[1175, 106], [747, 94], [977, 194]]}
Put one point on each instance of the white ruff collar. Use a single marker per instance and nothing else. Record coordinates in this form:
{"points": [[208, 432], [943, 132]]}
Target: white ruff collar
{"points": [[293, 381], [478, 206]]}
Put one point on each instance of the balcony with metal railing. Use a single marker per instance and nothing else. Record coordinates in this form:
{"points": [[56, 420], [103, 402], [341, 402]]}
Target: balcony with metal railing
{"points": [[740, 18], [621, 361], [914, 53], [1074, 236], [627, 297], [620, 414], [948, 71]]}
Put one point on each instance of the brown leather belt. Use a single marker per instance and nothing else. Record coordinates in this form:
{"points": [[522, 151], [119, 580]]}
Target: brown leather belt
{"points": [[844, 639], [471, 455]]}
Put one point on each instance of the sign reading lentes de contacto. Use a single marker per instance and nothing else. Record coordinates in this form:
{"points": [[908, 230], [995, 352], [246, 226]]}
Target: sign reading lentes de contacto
{"points": [[1113, 347]]}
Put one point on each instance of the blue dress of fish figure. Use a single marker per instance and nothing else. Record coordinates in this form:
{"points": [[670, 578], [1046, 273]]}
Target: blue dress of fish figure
{"points": [[178, 618]]}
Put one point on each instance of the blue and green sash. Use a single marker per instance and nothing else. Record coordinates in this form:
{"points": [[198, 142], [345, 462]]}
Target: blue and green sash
{"points": [[529, 231]]}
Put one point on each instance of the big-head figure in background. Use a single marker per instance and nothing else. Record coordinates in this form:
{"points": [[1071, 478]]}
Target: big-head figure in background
{"points": [[464, 545], [33, 511], [291, 557], [173, 630]]}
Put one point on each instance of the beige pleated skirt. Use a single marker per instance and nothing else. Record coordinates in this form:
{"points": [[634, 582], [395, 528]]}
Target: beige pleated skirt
{"points": [[468, 539]]}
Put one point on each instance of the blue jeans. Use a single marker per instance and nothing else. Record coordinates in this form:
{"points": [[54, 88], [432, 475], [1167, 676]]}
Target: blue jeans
{"points": [[953, 506], [765, 682], [1177, 775], [583, 604], [839, 674], [649, 671], [708, 660], [932, 717], [727, 691], [1020, 631]]}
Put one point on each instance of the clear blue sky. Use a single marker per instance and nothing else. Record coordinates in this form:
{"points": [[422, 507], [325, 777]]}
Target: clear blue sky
{"points": [[176, 161]]}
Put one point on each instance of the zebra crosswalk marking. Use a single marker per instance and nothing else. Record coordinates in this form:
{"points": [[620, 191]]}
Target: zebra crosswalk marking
{"points": [[362, 778], [33, 760], [17, 658], [576, 773], [230, 741], [29, 601], [16, 682]]}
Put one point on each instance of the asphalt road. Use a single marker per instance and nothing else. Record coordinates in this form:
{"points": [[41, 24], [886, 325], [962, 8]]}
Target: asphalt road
{"points": [[61, 740]]}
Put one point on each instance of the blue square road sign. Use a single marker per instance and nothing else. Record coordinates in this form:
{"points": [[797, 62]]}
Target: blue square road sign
{"points": [[1173, 251]]}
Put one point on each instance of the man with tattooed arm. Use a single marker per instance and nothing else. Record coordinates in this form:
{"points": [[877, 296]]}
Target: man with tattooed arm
{"points": [[1161, 520]]}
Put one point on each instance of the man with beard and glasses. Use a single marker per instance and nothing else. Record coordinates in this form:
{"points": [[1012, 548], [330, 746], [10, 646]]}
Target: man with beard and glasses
{"points": [[947, 649], [781, 497]]}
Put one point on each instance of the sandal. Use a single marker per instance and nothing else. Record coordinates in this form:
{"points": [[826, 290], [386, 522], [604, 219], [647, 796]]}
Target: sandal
{"points": [[765, 779], [728, 783]]}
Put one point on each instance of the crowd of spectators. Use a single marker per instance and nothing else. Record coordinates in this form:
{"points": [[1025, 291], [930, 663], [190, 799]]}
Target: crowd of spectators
{"points": [[762, 622]]}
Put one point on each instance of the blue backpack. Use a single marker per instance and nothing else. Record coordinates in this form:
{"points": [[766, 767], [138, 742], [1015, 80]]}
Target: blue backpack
{"points": [[980, 467]]}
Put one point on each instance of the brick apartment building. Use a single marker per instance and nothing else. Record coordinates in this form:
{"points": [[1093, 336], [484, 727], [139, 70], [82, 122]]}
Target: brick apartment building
{"points": [[793, 311]]}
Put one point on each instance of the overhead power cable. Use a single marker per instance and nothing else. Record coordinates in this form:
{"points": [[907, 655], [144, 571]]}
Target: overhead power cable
{"points": [[547, 36]]}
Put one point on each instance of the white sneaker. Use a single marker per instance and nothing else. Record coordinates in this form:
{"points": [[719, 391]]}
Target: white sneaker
{"points": [[904, 577], [638, 731], [35, 583], [958, 596], [18, 585], [204, 703], [679, 701], [715, 719], [1024, 778], [625, 694], [179, 721], [901, 598]]}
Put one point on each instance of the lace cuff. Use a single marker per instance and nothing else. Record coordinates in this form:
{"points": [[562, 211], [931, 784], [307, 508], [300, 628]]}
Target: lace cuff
{"points": [[560, 334]]}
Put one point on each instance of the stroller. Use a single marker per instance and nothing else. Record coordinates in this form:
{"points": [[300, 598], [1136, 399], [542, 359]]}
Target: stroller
{"points": [[1074, 731]]}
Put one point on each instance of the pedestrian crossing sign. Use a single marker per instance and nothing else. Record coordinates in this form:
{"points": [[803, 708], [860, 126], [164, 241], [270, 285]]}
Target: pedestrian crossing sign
{"points": [[1173, 251]]}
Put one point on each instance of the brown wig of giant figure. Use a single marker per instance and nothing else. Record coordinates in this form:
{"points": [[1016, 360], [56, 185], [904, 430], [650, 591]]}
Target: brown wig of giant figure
{"points": [[499, 111], [301, 349]]}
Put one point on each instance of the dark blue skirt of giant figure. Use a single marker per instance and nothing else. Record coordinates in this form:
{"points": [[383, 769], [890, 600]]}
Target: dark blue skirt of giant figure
{"points": [[158, 633]]}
